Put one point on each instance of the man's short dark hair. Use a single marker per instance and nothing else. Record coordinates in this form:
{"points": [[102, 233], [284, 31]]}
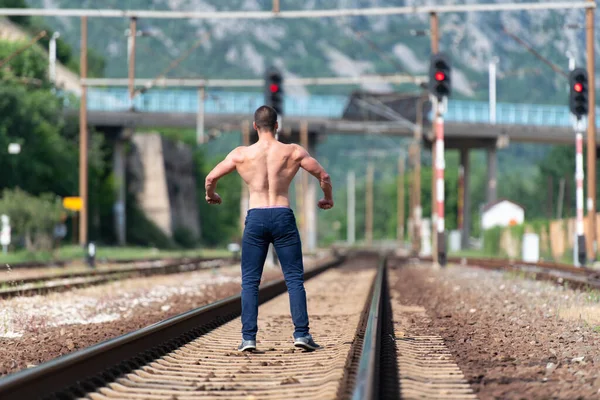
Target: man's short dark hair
{"points": [[265, 118]]}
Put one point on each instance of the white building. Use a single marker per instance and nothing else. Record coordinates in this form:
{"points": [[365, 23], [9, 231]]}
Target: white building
{"points": [[502, 212]]}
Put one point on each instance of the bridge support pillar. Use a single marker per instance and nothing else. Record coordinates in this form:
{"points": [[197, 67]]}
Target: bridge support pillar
{"points": [[119, 206], [466, 199], [492, 162]]}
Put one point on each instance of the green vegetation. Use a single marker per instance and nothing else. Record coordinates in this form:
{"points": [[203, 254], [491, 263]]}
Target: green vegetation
{"points": [[64, 53], [73, 252], [33, 217], [32, 115]]}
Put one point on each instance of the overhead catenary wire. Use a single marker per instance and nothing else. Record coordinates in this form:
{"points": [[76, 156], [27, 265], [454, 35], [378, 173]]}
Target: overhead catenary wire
{"points": [[294, 14], [21, 49], [382, 54], [529, 48], [173, 64]]}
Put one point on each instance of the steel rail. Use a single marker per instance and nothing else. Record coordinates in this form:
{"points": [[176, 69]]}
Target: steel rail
{"points": [[23, 287], [556, 272], [367, 376], [63, 263], [75, 374]]}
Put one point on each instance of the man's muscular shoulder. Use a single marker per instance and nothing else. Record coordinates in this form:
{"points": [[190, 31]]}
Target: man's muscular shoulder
{"points": [[238, 154], [298, 152]]}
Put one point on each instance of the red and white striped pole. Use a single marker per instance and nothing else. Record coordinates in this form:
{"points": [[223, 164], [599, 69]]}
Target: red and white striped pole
{"points": [[440, 166], [581, 249]]}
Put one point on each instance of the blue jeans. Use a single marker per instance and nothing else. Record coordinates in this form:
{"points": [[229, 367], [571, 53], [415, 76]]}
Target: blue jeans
{"points": [[278, 226]]}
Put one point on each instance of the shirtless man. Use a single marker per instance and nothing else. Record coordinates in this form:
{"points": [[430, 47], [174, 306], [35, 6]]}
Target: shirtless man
{"points": [[268, 167]]}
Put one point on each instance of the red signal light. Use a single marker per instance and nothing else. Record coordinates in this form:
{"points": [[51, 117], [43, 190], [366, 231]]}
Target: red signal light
{"points": [[274, 88], [578, 87], [440, 76]]}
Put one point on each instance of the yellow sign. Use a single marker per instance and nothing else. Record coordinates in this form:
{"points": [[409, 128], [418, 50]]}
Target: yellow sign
{"points": [[72, 203]]}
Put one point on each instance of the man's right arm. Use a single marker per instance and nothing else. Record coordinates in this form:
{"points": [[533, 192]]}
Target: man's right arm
{"points": [[312, 166]]}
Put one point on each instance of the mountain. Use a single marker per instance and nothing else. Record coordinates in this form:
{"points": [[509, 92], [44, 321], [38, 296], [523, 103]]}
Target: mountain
{"points": [[331, 47]]}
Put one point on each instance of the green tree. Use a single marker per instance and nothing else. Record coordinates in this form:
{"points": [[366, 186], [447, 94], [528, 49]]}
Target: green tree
{"points": [[32, 218], [219, 224]]}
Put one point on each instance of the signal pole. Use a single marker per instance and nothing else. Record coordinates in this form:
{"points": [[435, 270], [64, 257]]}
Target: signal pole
{"points": [[578, 105], [440, 86], [434, 50], [439, 181], [579, 175], [591, 132]]}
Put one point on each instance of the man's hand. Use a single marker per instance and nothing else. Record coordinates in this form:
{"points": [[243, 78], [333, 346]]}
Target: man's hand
{"points": [[214, 199], [325, 204]]}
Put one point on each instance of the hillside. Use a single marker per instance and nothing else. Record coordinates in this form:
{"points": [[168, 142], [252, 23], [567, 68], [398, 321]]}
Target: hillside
{"points": [[328, 47], [242, 49]]}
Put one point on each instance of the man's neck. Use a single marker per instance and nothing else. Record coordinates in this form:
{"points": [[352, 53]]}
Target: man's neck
{"points": [[266, 136]]}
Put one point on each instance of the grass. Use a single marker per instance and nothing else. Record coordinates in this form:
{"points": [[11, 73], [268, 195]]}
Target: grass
{"points": [[67, 253], [475, 254]]}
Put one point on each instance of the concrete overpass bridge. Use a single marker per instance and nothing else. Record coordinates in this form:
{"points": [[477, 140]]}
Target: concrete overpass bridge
{"points": [[467, 123], [465, 120]]}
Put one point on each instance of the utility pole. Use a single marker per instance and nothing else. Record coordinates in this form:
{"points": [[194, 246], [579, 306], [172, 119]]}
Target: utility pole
{"points": [[400, 188], [410, 225], [351, 211], [418, 210], [299, 203], [434, 50], [369, 205], [245, 195], [304, 185], [200, 116], [83, 139], [591, 132], [492, 93], [461, 192], [131, 59], [119, 148]]}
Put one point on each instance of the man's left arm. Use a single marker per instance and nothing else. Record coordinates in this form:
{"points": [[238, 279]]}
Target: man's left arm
{"points": [[223, 168]]}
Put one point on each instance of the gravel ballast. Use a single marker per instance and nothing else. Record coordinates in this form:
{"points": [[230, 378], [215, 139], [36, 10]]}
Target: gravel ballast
{"points": [[513, 338], [39, 328]]}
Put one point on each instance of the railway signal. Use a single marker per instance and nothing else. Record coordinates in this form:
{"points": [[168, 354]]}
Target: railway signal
{"points": [[578, 97], [578, 105], [440, 69], [274, 89]]}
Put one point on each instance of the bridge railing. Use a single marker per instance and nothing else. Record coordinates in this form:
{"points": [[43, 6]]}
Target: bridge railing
{"points": [[186, 101], [507, 113], [222, 102]]}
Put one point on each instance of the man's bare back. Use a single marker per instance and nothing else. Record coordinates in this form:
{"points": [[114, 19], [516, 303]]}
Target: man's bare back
{"points": [[268, 168]]}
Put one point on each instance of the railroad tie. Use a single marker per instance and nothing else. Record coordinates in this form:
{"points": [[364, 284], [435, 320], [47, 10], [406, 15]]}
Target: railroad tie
{"points": [[210, 367], [426, 367]]}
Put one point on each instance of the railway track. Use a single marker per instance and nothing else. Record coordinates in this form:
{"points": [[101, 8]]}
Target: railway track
{"points": [[364, 354], [99, 261], [193, 355], [576, 277], [67, 281]]}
